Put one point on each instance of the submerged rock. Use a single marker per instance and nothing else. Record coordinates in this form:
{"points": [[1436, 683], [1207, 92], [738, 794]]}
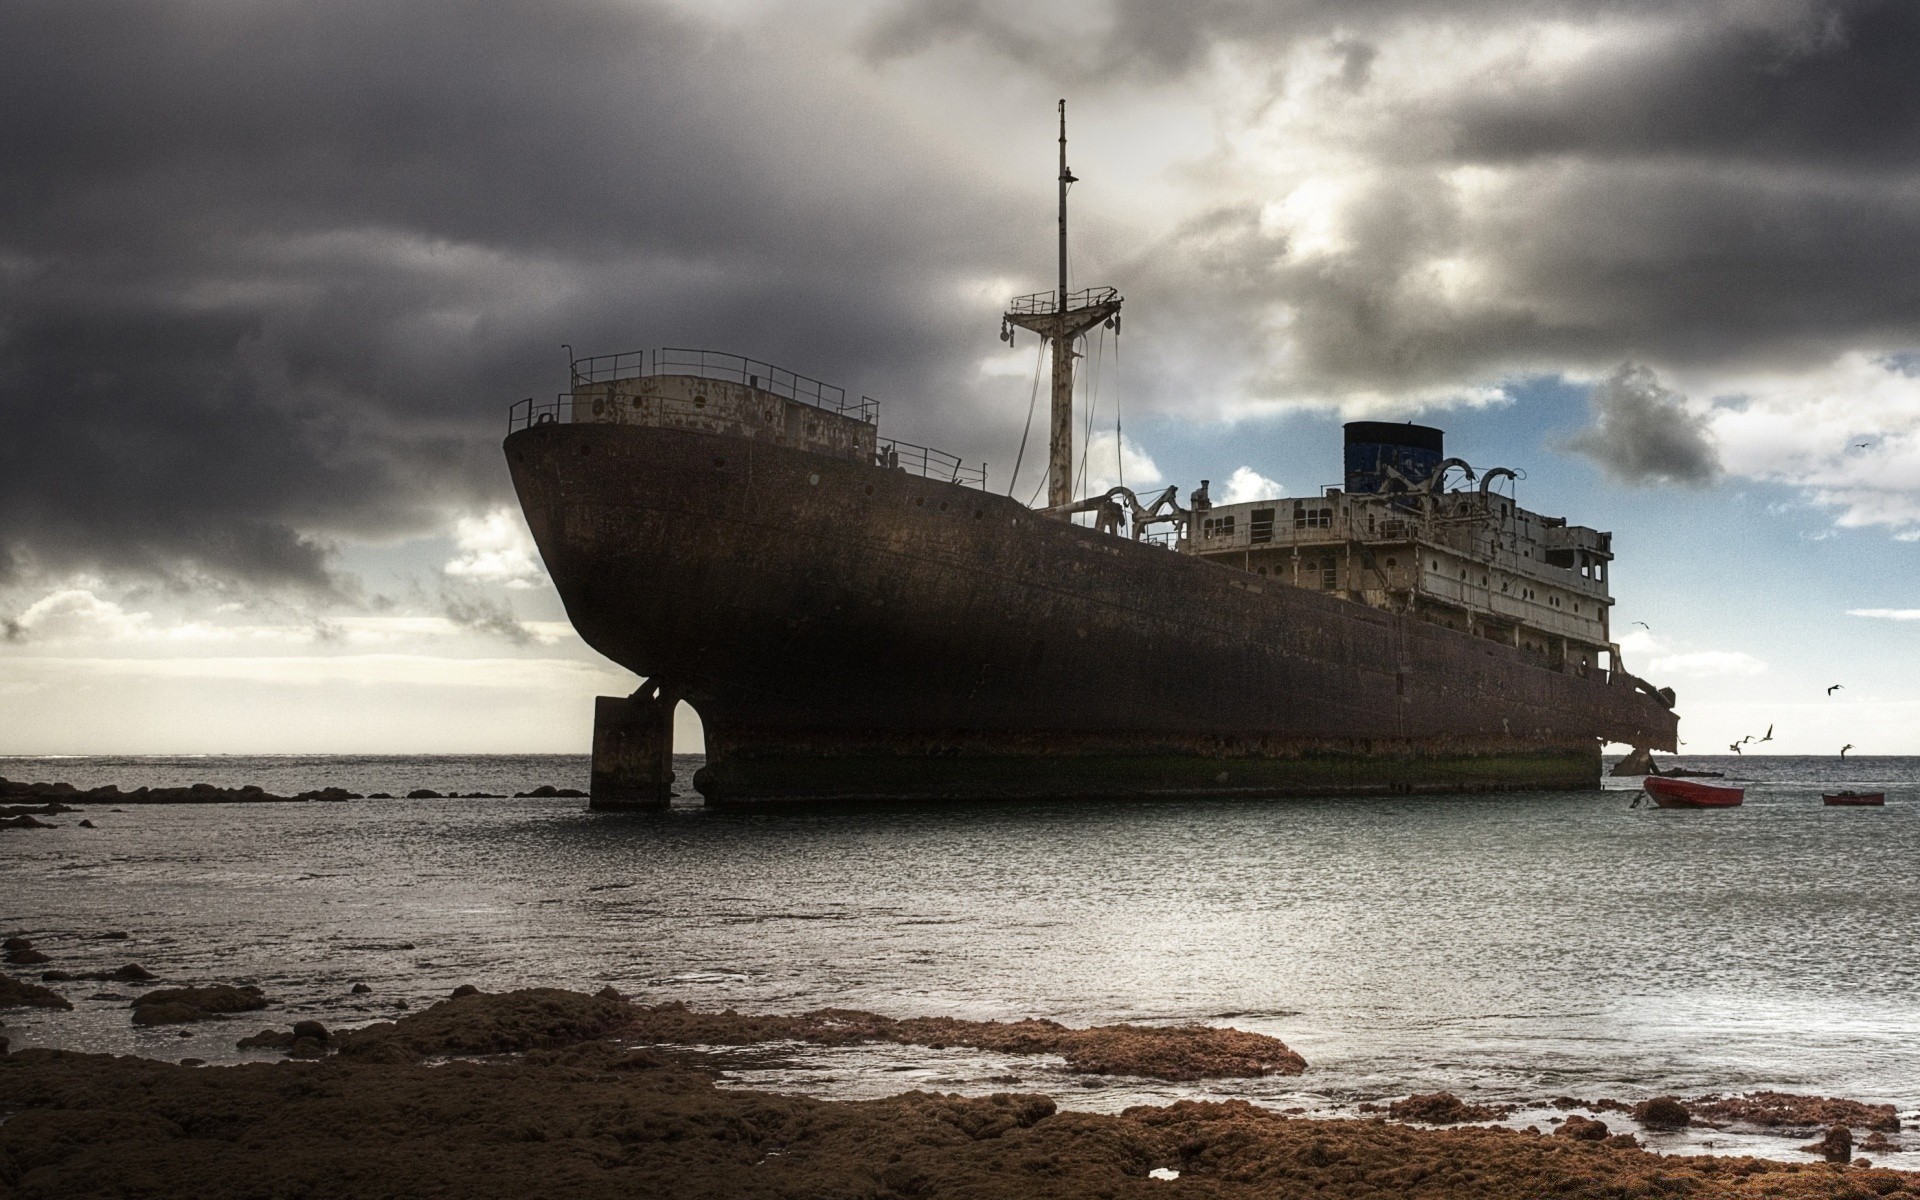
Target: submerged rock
{"points": [[1443, 1108], [131, 973], [311, 1030], [267, 1039], [473, 1022], [173, 1006], [1582, 1129], [1776, 1109], [1663, 1112], [1836, 1147], [18, 993]]}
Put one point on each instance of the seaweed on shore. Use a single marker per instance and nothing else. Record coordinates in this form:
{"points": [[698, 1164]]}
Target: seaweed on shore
{"points": [[546, 1017], [594, 1119]]}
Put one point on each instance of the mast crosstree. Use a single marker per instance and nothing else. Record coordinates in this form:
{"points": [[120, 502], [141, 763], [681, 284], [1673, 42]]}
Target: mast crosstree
{"points": [[1063, 317]]}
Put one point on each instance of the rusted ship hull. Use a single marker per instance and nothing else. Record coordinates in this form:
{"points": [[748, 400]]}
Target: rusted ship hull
{"points": [[851, 632]]}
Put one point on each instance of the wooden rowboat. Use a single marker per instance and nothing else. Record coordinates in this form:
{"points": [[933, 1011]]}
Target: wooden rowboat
{"points": [[1838, 799], [1679, 793]]}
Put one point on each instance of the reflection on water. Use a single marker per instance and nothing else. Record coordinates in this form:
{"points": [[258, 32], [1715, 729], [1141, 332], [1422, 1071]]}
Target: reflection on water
{"points": [[1511, 947]]}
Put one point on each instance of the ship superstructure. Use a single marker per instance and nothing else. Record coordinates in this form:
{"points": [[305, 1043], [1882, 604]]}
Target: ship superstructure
{"points": [[1395, 538], [856, 617]]}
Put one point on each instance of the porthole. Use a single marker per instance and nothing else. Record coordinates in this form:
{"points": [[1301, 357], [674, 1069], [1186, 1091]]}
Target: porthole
{"points": [[1392, 563], [718, 461], [814, 480], [979, 513], [699, 401], [869, 489], [585, 450], [943, 506], [919, 501]]}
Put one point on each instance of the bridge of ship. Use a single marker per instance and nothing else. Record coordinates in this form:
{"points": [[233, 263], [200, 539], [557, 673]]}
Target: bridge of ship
{"points": [[1470, 560]]}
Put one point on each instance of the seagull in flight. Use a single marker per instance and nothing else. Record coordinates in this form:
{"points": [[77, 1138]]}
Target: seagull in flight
{"points": [[1836, 687], [1861, 445], [1735, 747], [1769, 736], [1845, 748]]}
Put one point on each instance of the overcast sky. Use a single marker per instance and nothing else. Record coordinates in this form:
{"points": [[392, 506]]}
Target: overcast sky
{"points": [[270, 273]]}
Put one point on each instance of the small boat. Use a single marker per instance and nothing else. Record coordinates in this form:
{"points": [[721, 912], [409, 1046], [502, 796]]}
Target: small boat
{"points": [[1845, 799], [1678, 793]]}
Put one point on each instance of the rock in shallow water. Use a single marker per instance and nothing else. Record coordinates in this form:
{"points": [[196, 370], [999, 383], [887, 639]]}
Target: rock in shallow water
{"points": [[18, 993], [1663, 1112], [172, 1006], [1443, 1108]]}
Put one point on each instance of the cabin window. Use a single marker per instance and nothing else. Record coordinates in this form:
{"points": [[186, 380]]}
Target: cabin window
{"points": [[1260, 530], [1392, 563], [1217, 527]]}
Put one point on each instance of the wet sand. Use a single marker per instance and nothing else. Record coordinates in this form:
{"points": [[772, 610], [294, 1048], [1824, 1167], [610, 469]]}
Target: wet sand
{"points": [[555, 1093]]}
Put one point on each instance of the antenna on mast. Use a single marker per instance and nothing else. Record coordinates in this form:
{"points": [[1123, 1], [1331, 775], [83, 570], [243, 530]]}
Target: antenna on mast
{"points": [[1066, 177], [1062, 317]]}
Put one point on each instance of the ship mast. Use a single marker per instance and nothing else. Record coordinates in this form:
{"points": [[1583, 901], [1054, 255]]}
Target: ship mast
{"points": [[1062, 318]]}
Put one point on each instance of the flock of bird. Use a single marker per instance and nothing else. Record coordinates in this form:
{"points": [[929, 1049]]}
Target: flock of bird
{"points": [[1768, 736], [1750, 739]]}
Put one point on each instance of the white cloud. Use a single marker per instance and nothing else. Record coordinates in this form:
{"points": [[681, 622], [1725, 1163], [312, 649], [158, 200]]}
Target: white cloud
{"points": [[1847, 435], [496, 548], [1662, 658], [74, 614], [1247, 484], [1890, 614], [1706, 663], [1111, 462]]}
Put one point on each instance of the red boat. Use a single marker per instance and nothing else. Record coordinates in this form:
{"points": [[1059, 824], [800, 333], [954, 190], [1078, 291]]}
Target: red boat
{"points": [[1838, 799], [1680, 793]]}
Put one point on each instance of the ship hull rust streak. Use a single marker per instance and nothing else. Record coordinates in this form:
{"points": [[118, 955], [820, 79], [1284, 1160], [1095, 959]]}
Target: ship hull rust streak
{"points": [[849, 632]]}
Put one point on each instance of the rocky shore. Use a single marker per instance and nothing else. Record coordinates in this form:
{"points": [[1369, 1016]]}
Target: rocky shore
{"points": [[556, 1093], [19, 799]]}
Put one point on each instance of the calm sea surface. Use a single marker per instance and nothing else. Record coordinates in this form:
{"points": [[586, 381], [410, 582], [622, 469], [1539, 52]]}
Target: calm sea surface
{"points": [[1509, 948]]}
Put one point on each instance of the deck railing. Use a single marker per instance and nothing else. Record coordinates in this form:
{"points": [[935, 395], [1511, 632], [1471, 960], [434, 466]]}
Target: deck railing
{"points": [[1041, 303], [931, 463], [732, 368], [903, 456]]}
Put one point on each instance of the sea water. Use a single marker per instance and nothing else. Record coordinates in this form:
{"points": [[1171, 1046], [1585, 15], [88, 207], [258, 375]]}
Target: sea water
{"points": [[1510, 948]]}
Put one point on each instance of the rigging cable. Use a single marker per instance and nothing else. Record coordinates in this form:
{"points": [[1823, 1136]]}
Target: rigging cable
{"points": [[1032, 400], [1119, 441], [1092, 391]]}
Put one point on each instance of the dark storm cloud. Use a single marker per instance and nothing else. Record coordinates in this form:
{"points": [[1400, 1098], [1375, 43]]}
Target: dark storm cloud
{"points": [[483, 615], [1831, 84], [1703, 186], [1642, 432], [269, 272]]}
